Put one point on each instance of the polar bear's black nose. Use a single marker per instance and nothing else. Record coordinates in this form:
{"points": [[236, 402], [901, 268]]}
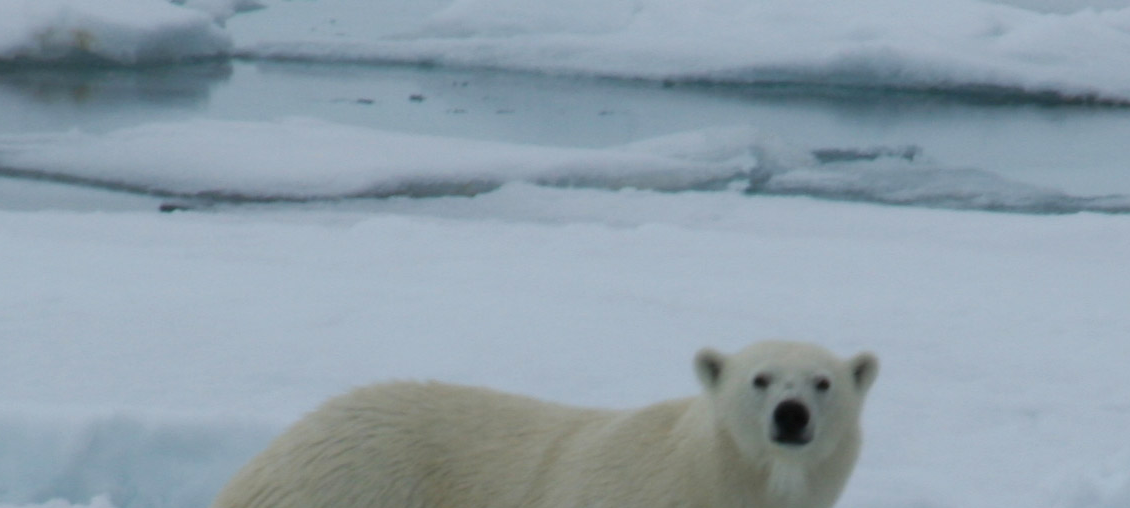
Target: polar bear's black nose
{"points": [[791, 419]]}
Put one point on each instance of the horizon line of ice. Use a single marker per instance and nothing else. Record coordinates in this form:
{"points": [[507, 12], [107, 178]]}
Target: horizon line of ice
{"points": [[966, 49]]}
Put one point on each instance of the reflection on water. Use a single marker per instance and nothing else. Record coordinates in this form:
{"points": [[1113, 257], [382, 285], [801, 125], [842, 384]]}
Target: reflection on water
{"points": [[101, 97]]}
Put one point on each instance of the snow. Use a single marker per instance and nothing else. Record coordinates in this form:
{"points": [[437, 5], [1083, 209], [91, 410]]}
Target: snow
{"points": [[304, 159], [955, 47], [153, 354], [97, 502], [120, 31], [961, 46], [310, 159], [1066, 6], [221, 10]]}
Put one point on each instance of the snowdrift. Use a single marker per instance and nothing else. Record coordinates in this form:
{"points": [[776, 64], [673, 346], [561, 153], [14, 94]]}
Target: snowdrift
{"points": [[121, 32]]}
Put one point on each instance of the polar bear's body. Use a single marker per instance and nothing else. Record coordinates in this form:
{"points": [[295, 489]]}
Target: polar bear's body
{"points": [[432, 445]]}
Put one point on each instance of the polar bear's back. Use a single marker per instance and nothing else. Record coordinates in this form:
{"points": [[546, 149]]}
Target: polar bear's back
{"points": [[402, 445]]}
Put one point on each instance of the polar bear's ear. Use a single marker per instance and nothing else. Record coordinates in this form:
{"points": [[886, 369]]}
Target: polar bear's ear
{"points": [[864, 367], [708, 365]]}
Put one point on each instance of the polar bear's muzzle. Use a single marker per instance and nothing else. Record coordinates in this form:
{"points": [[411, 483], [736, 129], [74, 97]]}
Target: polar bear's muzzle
{"points": [[790, 423]]}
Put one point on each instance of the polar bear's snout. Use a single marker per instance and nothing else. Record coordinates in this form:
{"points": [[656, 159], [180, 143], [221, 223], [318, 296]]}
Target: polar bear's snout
{"points": [[790, 423]]}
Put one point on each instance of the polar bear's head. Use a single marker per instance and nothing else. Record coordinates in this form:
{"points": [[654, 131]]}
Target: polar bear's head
{"points": [[786, 400]]}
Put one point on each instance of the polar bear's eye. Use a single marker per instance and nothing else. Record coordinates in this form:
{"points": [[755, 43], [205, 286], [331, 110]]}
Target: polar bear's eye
{"points": [[762, 381], [822, 384]]}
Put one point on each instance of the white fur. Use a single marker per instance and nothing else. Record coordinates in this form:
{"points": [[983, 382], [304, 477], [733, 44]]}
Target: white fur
{"points": [[431, 445]]}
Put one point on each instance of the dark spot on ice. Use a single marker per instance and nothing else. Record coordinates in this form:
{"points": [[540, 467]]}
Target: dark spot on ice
{"points": [[173, 207]]}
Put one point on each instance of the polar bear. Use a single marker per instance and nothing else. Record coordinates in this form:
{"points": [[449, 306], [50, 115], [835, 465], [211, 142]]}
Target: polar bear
{"points": [[776, 426]]}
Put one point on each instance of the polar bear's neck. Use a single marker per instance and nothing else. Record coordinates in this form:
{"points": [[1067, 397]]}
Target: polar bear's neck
{"points": [[786, 481]]}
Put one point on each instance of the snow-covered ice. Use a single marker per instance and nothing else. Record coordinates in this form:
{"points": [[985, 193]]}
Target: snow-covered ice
{"points": [[120, 31], [954, 47], [149, 355], [97, 502], [146, 356], [962, 46], [303, 159], [312, 160]]}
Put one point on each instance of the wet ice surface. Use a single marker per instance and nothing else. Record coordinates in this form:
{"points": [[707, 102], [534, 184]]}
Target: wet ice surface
{"points": [[994, 101], [916, 148]]}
